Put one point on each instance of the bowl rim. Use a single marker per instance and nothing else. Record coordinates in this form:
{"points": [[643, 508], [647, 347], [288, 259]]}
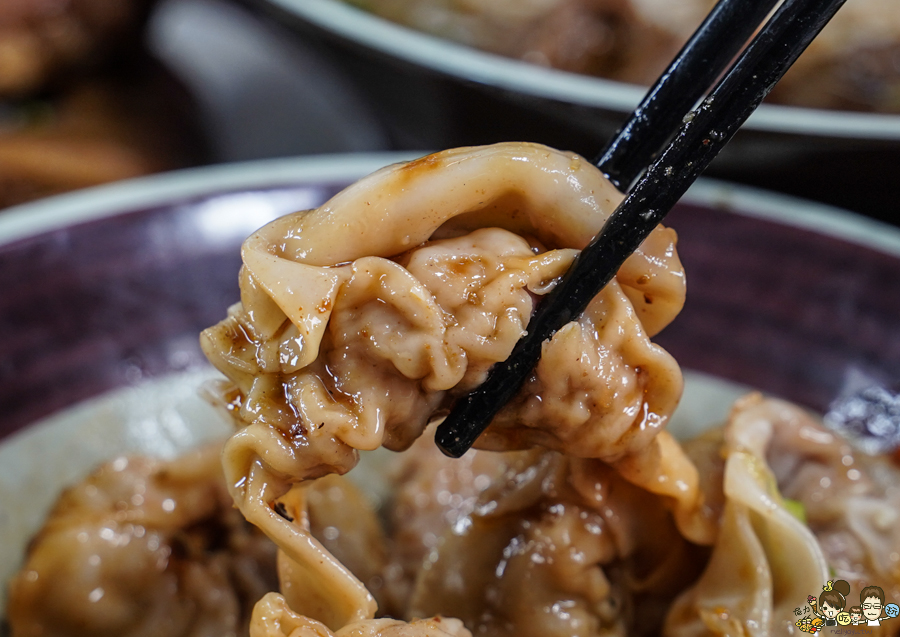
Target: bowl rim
{"points": [[445, 57], [111, 200]]}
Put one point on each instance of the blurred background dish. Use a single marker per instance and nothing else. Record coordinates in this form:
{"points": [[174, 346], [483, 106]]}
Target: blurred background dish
{"points": [[105, 94], [130, 121], [849, 66], [260, 91], [434, 93], [44, 43], [82, 101], [93, 92]]}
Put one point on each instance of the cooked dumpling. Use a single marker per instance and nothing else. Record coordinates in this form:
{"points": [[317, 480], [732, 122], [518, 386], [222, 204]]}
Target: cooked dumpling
{"points": [[361, 320], [534, 543], [765, 560], [144, 547], [272, 617], [850, 499]]}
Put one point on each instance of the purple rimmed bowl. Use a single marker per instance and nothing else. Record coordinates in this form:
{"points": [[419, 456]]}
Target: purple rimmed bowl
{"points": [[109, 287]]}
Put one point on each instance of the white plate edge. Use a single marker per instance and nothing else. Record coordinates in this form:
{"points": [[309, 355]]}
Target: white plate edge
{"points": [[464, 62]]}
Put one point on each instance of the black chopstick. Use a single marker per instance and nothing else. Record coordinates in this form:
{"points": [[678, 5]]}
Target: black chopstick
{"points": [[701, 137], [701, 61]]}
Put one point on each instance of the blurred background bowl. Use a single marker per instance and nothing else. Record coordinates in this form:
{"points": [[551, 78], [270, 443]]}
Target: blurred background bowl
{"points": [[432, 93]]}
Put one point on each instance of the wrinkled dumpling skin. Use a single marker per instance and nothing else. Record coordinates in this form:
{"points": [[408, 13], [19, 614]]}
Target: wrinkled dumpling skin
{"points": [[552, 546], [404, 325], [359, 321], [343, 519], [851, 500], [431, 493], [765, 561], [272, 617], [143, 548]]}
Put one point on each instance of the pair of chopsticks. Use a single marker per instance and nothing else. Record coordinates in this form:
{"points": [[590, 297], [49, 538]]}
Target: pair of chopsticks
{"points": [[696, 137]]}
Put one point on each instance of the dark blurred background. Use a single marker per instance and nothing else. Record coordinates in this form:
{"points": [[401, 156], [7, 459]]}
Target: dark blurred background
{"points": [[93, 91]]}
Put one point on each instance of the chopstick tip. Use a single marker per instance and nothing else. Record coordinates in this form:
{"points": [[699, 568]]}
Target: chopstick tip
{"points": [[451, 446]]}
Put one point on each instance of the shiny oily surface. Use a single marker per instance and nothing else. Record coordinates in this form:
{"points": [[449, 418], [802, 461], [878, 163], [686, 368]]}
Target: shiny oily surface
{"points": [[870, 257], [436, 491], [333, 392], [337, 348], [165, 417]]}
